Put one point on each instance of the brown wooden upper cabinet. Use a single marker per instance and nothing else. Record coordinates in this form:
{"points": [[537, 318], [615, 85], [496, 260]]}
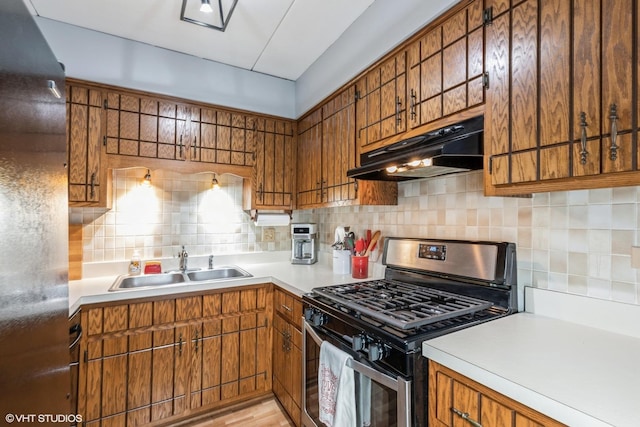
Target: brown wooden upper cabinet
{"points": [[562, 107], [109, 127], [87, 176], [446, 67], [149, 127], [274, 170], [326, 150], [381, 102]]}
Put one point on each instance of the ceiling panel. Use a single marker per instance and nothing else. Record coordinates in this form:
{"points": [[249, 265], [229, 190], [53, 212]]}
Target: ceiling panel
{"points": [[276, 37]]}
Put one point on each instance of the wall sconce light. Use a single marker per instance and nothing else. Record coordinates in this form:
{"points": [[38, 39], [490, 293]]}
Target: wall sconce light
{"points": [[147, 179], [215, 185]]}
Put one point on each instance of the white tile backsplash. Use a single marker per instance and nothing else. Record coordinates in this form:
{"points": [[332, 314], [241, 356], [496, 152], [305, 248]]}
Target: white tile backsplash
{"points": [[572, 241], [175, 210], [576, 241]]}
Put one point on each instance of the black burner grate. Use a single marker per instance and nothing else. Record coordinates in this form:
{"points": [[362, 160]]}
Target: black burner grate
{"points": [[402, 305]]}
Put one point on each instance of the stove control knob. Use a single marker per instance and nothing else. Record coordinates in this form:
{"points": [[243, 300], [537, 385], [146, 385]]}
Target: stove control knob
{"points": [[319, 319], [315, 317], [376, 351], [357, 343], [308, 314]]}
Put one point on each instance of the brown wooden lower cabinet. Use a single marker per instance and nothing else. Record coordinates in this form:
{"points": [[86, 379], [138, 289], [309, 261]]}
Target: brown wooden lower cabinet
{"points": [[287, 360], [155, 361], [455, 400]]}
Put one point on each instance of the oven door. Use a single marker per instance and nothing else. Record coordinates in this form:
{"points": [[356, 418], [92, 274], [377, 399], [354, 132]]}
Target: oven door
{"points": [[381, 400]]}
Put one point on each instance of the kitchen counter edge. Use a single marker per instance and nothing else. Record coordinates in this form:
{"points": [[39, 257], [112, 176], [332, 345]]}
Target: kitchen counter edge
{"points": [[297, 279]]}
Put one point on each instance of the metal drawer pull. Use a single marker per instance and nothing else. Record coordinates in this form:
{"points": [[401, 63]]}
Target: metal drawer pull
{"points": [[197, 338], [583, 138], [398, 108], [465, 416], [180, 345], [286, 308], [614, 132]]}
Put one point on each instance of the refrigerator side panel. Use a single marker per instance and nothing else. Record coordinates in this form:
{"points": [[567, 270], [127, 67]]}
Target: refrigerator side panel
{"points": [[34, 331]]}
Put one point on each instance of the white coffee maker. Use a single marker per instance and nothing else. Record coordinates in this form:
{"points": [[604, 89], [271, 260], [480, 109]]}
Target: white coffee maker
{"points": [[304, 248]]}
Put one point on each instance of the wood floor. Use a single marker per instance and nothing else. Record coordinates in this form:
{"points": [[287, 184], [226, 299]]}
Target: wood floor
{"points": [[265, 413]]}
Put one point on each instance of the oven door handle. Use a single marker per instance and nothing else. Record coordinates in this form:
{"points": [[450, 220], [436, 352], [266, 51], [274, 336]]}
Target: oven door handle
{"points": [[377, 376], [400, 385]]}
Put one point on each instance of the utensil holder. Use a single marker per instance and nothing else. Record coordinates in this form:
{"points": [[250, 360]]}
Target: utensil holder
{"points": [[341, 262], [359, 267]]}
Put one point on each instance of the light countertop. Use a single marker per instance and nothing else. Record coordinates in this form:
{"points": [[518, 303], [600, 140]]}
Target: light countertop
{"points": [[567, 357], [265, 267]]}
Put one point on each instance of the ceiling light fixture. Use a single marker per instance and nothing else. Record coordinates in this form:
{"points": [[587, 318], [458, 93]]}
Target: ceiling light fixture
{"points": [[214, 18], [206, 7]]}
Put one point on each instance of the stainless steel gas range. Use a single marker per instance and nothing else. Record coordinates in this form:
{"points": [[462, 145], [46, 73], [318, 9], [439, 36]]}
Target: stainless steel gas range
{"points": [[430, 288]]}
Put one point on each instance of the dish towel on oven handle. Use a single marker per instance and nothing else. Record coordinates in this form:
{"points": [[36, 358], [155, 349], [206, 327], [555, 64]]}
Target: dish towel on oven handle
{"points": [[336, 387]]}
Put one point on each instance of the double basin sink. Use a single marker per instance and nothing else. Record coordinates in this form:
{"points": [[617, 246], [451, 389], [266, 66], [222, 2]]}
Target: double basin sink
{"points": [[177, 277]]}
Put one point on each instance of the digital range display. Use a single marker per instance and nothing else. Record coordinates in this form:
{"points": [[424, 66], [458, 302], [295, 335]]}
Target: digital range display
{"points": [[436, 252]]}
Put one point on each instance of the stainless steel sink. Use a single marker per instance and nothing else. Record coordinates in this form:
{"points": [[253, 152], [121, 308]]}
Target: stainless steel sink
{"points": [[149, 280], [177, 278], [227, 272]]}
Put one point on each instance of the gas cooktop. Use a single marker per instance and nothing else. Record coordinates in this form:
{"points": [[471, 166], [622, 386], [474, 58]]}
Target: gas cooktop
{"points": [[402, 305]]}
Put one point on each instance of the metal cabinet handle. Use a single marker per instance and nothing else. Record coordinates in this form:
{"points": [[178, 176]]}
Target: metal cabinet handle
{"points": [[583, 138], [414, 100], [196, 340], [180, 149], [92, 193], [286, 341], [180, 341], [75, 329], [398, 108], [613, 115], [465, 416], [286, 307]]}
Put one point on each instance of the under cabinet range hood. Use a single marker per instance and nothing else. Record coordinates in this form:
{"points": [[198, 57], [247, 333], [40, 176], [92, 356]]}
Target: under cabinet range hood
{"points": [[451, 149]]}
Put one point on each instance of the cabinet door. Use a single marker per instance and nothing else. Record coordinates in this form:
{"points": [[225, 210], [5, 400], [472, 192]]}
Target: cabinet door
{"points": [[287, 367], [222, 137], [617, 104], [274, 176], [206, 359], [287, 353], [511, 121], [84, 146], [561, 100], [309, 160], [446, 67], [147, 127], [339, 147], [382, 108], [106, 365]]}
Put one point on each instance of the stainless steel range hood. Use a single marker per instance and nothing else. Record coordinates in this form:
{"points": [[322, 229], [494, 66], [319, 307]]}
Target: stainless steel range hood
{"points": [[451, 149]]}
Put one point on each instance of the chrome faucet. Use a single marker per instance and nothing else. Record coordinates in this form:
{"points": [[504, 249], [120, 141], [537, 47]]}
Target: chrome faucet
{"points": [[210, 262], [183, 255]]}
